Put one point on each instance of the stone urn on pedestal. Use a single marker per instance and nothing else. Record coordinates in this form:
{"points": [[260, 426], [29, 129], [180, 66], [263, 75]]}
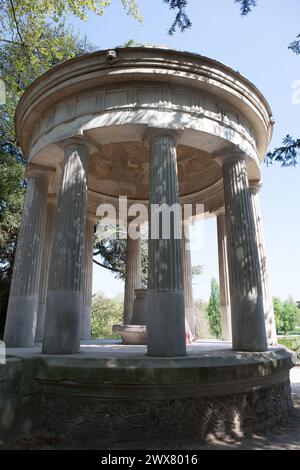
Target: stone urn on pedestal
{"points": [[136, 332]]}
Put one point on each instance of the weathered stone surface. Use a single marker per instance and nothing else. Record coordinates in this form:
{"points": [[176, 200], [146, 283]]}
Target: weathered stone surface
{"points": [[267, 297], [64, 300], [133, 276], [223, 416], [23, 299], [187, 281], [87, 280], [166, 325], [224, 278], [45, 267], [109, 395], [247, 313], [139, 313]]}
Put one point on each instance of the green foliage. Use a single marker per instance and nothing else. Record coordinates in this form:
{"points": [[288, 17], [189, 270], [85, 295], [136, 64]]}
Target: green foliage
{"points": [[202, 330], [246, 6], [197, 270], [292, 343], [295, 45], [287, 315], [213, 310], [106, 313], [129, 43], [11, 202], [181, 20], [287, 155]]}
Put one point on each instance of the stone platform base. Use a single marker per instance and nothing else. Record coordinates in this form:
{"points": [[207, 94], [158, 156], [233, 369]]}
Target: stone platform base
{"points": [[116, 392], [226, 415]]}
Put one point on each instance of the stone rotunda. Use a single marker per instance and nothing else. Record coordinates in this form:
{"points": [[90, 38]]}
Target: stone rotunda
{"points": [[156, 126]]}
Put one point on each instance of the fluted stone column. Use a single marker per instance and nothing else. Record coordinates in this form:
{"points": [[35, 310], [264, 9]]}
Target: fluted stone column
{"points": [[44, 276], [23, 300], [187, 281], [133, 275], [247, 312], [267, 297], [166, 324], [87, 280], [64, 301], [224, 277]]}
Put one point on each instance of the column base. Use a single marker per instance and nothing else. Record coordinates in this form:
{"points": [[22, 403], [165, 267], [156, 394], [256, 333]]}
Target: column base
{"points": [[21, 322], [248, 325], [40, 323], [165, 323], [63, 323]]}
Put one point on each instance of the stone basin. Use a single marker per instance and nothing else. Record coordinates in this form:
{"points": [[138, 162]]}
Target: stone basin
{"points": [[131, 334]]}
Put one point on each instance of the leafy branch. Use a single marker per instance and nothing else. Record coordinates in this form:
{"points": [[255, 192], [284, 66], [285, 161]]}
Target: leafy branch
{"points": [[181, 21], [287, 155]]}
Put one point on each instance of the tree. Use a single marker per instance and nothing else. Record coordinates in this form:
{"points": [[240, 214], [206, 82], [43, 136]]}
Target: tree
{"points": [[110, 245], [291, 313], [106, 312], [11, 202], [214, 310], [279, 315], [286, 315]]}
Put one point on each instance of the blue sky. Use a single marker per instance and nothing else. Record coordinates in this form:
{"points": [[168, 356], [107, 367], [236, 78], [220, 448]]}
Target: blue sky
{"points": [[256, 46]]}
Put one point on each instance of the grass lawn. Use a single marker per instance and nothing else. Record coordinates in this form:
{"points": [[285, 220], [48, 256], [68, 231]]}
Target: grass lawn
{"points": [[292, 343]]}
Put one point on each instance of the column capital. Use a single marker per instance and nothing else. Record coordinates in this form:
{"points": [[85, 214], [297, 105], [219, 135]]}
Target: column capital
{"points": [[80, 142], [220, 211], [227, 155], [255, 186], [156, 132], [33, 170]]}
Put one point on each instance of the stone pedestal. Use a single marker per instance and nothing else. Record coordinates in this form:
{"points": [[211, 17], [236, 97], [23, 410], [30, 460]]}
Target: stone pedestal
{"points": [[187, 280], [247, 311], [133, 277], [223, 277], [64, 300], [139, 312], [166, 323], [23, 300], [44, 276], [267, 297], [87, 281]]}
